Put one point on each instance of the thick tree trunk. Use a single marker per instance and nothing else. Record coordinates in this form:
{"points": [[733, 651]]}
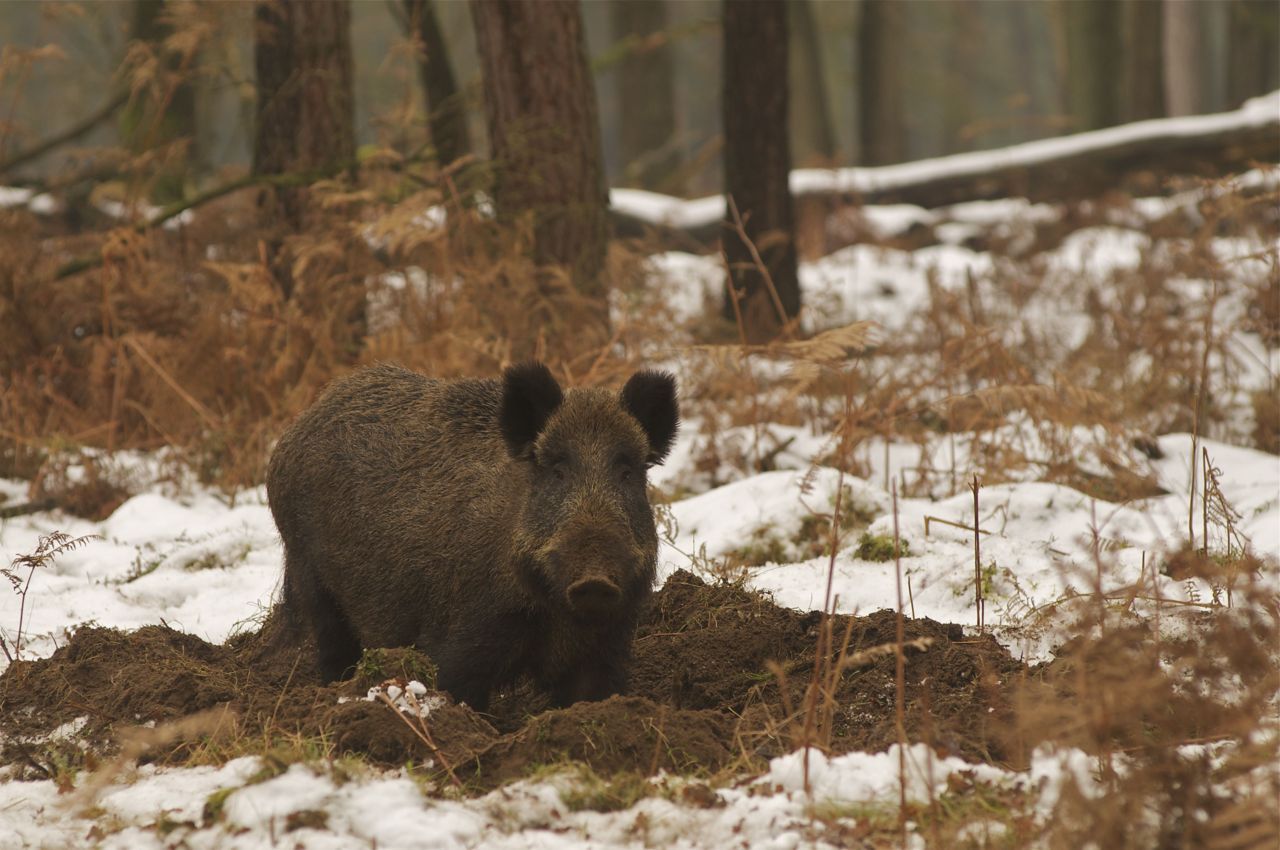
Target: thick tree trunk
{"points": [[1254, 44], [1094, 49], [1182, 54], [446, 110], [1144, 65], [882, 129], [757, 162], [305, 109], [540, 105], [647, 143], [814, 131]]}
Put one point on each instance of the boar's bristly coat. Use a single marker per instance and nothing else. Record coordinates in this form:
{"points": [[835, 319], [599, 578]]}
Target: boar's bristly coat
{"points": [[501, 526]]}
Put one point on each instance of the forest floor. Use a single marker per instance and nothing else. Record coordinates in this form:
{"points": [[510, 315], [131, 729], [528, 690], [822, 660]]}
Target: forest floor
{"points": [[1121, 685]]}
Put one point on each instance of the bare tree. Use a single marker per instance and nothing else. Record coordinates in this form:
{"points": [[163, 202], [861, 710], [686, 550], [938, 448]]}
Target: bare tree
{"points": [[1254, 43], [647, 142], [1093, 46], [1182, 57], [882, 131], [757, 165], [814, 130], [540, 106], [168, 113], [446, 109], [1144, 65], [305, 108]]}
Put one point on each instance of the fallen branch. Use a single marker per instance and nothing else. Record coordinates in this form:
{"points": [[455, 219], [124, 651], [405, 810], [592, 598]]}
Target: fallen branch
{"points": [[68, 135]]}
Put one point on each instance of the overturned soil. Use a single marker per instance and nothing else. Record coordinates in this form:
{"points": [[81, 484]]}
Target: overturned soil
{"points": [[719, 679]]}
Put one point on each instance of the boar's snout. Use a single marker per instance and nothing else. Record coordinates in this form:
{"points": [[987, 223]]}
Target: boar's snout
{"points": [[594, 596]]}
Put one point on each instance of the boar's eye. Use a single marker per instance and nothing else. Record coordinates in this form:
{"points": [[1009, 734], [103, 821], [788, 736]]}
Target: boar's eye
{"points": [[559, 468], [624, 467]]}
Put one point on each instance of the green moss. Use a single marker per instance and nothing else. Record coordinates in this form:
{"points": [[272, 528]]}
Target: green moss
{"points": [[764, 547], [591, 793], [378, 665], [879, 547]]}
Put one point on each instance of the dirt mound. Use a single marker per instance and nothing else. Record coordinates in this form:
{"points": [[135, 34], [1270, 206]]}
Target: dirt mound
{"points": [[719, 676]]}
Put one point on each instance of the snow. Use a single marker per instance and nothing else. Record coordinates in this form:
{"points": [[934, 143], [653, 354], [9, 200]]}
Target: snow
{"points": [[700, 212], [390, 811], [186, 556]]}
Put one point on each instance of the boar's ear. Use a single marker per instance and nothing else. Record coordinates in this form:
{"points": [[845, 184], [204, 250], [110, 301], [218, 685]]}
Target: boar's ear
{"points": [[651, 398], [529, 396]]}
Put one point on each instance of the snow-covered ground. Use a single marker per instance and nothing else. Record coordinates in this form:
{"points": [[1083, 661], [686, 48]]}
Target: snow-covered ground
{"points": [[187, 557]]}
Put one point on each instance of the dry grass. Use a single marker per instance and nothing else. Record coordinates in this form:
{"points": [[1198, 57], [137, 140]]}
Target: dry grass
{"points": [[208, 338]]}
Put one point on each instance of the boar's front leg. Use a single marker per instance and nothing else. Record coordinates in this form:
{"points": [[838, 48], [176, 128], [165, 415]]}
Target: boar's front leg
{"points": [[479, 656], [599, 673]]}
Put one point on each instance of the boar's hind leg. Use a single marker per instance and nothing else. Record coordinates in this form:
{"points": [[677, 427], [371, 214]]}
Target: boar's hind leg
{"points": [[337, 647]]}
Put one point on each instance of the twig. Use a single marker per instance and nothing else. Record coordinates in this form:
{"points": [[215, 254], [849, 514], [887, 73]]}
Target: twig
{"points": [[899, 679], [940, 521], [420, 729], [784, 321], [203, 412], [68, 135], [28, 508], [978, 602]]}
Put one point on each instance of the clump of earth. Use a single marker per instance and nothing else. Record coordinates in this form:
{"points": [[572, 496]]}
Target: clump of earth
{"points": [[719, 679]]}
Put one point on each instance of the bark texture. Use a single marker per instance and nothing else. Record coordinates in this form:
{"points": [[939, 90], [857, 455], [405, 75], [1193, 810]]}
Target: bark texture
{"points": [[540, 107], [757, 162], [306, 105]]}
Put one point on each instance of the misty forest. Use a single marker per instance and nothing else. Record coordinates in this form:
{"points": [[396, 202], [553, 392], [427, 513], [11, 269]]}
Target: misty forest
{"points": [[639, 423]]}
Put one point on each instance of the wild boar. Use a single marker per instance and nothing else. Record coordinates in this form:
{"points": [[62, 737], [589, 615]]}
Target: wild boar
{"points": [[501, 526]]}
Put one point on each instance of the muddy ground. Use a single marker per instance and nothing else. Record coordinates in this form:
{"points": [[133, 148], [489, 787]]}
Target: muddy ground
{"points": [[718, 681]]}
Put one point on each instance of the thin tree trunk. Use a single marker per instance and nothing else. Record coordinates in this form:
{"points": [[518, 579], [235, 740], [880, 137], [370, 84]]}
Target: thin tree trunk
{"points": [[540, 105], [1182, 58], [814, 131], [165, 113], [1093, 62], [1144, 65], [958, 108], [1254, 45], [881, 116], [305, 108], [647, 143], [446, 109], [757, 162]]}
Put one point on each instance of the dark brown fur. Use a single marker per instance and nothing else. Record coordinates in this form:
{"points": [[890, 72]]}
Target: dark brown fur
{"points": [[500, 526]]}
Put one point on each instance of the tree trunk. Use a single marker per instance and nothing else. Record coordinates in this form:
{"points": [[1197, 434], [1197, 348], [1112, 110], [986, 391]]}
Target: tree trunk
{"points": [[446, 110], [647, 143], [165, 113], [305, 108], [757, 162], [540, 106], [1182, 58], [881, 117], [960, 88], [814, 131], [1093, 62], [1144, 65], [1254, 45]]}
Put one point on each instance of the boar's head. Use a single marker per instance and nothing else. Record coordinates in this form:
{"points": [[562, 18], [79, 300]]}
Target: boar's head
{"points": [[585, 532]]}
